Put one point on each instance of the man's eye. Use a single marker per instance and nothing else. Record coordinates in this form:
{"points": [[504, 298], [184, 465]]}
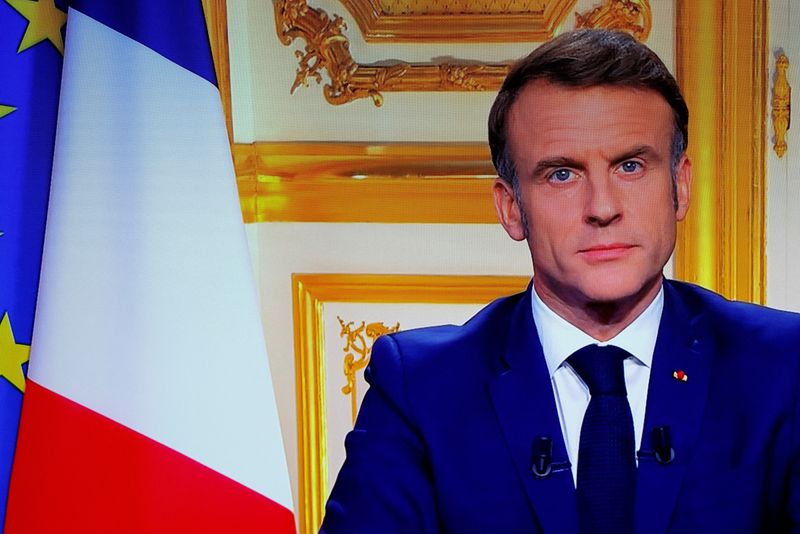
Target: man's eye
{"points": [[561, 175], [631, 166]]}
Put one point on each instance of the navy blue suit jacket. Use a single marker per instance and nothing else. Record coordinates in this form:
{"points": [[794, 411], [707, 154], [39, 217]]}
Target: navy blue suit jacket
{"points": [[443, 440]]}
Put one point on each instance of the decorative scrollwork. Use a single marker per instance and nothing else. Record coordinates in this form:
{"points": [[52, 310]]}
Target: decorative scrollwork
{"points": [[781, 104], [328, 49], [632, 16], [357, 352], [466, 76]]}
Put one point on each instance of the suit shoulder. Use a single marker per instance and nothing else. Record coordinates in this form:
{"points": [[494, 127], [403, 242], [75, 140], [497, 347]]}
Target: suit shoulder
{"points": [[445, 344], [739, 319]]}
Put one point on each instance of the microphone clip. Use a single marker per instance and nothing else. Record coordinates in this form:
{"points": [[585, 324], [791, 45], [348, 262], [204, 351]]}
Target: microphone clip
{"points": [[543, 465], [661, 439]]}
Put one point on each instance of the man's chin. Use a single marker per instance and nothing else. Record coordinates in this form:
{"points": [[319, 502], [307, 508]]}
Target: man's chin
{"points": [[603, 293]]}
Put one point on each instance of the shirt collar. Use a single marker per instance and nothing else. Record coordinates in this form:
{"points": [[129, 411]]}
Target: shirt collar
{"points": [[560, 338]]}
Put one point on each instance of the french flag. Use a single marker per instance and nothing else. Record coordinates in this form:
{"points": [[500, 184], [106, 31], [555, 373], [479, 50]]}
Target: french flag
{"points": [[149, 405]]}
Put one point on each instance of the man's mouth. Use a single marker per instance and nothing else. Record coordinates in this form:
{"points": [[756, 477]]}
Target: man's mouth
{"points": [[606, 252]]}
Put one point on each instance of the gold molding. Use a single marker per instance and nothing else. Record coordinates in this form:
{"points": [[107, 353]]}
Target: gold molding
{"points": [[311, 423], [216, 15], [310, 292], [721, 66], [781, 104], [328, 49], [512, 22], [632, 16], [363, 182]]}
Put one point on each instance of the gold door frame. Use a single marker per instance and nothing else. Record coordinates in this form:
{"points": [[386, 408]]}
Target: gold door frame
{"points": [[722, 68], [310, 292]]}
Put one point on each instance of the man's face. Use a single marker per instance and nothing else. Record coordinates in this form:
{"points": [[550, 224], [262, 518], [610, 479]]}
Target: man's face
{"points": [[594, 166]]}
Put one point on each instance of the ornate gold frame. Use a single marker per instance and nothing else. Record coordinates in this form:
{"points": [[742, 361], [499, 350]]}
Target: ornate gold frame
{"points": [[328, 49], [310, 292], [457, 27]]}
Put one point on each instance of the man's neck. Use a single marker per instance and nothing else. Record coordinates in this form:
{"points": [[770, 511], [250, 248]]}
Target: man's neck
{"points": [[601, 320]]}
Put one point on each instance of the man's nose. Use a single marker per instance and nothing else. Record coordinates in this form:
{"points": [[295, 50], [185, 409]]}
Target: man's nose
{"points": [[603, 202]]}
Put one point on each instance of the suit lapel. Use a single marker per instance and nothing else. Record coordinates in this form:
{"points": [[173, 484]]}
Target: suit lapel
{"points": [[523, 400], [681, 346]]}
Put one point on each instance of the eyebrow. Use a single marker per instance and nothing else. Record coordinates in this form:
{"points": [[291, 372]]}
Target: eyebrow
{"points": [[641, 150], [552, 163], [563, 161]]}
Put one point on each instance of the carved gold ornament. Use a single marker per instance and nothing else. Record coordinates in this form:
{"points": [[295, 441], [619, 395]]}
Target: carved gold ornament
{"points": [[327, 49], [781, 104], [357, 352], [632, 16]]}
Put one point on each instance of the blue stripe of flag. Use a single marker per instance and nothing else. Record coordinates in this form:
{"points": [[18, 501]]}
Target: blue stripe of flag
{"points": [[176, 29]]}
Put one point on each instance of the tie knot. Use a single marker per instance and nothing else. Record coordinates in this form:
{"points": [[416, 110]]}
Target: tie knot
{"points": [[601, 369]]}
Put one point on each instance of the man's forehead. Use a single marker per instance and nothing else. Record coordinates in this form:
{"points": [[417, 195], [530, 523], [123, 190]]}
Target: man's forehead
{"points": [[542, 89], [540, 101], [547, 118]]}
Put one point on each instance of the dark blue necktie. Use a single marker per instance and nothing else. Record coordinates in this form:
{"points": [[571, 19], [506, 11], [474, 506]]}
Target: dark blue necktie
{"points": [[606, 457]]}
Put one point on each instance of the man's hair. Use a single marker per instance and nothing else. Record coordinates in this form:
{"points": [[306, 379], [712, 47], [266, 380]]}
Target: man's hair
{"points": [[586, 58]]}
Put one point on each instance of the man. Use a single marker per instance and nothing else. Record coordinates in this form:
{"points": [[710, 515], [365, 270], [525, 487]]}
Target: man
{"points": [[605, 398]]}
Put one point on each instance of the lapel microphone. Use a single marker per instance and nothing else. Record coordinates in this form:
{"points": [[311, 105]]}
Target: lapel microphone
{"points": [[542, 465], [661, 439]]}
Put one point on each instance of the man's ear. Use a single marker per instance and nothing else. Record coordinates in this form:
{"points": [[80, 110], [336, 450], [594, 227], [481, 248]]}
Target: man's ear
{"points": [[508, 210], [683, 187]]}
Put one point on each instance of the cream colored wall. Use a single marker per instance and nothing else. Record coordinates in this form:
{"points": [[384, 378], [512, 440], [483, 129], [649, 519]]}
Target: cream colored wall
{"points": [[262, 71], [783, 174]]}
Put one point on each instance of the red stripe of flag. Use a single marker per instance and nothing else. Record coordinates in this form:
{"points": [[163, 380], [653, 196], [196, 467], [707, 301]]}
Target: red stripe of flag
{"points": [[78, 471]]}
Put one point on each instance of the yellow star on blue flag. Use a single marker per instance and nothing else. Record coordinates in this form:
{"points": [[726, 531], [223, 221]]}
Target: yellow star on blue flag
{"points": [[45, 21], [12, 355], [5, 110]]}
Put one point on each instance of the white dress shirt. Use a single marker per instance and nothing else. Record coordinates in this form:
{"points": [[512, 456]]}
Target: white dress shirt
{"points": [[560, 339]]}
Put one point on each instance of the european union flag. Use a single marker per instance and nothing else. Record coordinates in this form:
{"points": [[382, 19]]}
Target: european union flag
{"points": [[31, 51]]}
